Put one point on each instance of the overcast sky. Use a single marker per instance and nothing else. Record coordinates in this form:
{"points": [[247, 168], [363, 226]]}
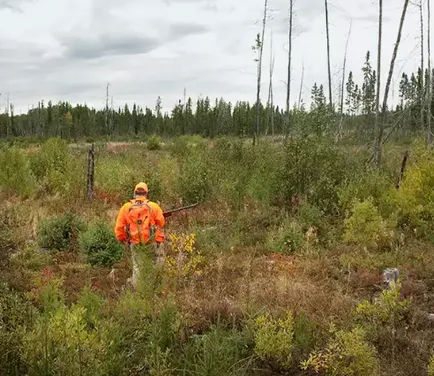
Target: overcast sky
{"points": [[69, 49]]}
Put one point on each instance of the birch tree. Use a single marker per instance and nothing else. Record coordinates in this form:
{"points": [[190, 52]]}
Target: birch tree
{"points": [[270, 88]]}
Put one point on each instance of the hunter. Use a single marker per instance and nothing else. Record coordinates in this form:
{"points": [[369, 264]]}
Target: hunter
{"points": [[141, 221]]}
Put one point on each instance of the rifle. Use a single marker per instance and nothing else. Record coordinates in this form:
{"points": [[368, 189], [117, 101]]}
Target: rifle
{"points": [[170, 212]]}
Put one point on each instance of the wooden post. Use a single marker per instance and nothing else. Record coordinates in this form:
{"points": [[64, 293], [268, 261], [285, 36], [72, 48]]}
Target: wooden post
{"points": [[90, 172], [403, 165]]}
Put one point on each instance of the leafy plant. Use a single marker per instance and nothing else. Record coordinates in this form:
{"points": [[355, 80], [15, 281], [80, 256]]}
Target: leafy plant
{"points": [[154, 143], [100, 245], [366, 227], [384, 317], [287, 238], [347, 353], [274, 339], [218, 352], [60, 232], [15, 174]]}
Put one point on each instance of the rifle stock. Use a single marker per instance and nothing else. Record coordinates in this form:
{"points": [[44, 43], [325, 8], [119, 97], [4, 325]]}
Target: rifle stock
{"points": [[170, 212]]}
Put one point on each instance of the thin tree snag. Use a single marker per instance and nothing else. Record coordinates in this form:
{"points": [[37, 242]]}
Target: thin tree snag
{"points": [[328, 54], [403, 165], [288, 84], [90, 172]]}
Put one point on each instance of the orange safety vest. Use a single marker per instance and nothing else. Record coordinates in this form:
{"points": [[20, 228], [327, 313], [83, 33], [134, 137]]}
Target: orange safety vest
{"points": [[140, 221]]}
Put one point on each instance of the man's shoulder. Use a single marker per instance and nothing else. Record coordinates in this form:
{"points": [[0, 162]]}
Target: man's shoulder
{"points": [[154, 205]]}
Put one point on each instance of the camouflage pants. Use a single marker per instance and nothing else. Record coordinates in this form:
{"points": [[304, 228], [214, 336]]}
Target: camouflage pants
{"points": [[139, 254]]}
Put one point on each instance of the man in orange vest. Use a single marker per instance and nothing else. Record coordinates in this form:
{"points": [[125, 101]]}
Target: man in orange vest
{"points": [[141, 221]]}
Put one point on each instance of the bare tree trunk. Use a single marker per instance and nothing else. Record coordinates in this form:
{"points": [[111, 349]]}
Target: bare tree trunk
{"points": [[301, 86], [261, 49], [429, 93], [343, 83], [270, 88], [377, 144], [422, 69], [389, 79], [401, 174], [107, 109], [288, 84], [328, 54], [90, 172]]}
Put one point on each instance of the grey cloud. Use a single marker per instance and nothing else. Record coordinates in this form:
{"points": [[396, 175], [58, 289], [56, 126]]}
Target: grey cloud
{"points": [[124, 44], [12, 4], [108, 45]]}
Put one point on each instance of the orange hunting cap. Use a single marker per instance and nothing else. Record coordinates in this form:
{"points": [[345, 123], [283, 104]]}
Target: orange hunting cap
{"points": [[141, 189]]}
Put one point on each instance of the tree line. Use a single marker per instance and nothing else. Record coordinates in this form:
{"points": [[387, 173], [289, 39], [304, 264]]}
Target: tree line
{"points": [[219, 117]]}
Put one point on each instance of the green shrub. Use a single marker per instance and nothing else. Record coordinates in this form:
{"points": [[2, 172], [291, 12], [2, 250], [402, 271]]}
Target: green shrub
{"points": [[63, 344], [431, 367], [218, 352], [154, 143], [366, 227], [384, 317], [274, 339], [195, 184], [15, 174], [347, 353], [100, 245], [52, 165], [287, 238], [60, 232], [30, 259], [370, 184], [415, 198], [16, 314], [313, 169]]}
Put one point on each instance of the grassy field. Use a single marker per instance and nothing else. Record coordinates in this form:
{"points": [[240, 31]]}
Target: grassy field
{"points": [[277, 271]]}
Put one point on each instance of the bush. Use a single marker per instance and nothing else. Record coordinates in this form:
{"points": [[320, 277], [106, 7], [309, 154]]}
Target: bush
{"points": [[16, 314], [274, 339], [154, 143], [347, 353], [52, 165], [313, 169], [15, 173], [195, 184], [415, 198], [384, 317], [431, 367], [287, 238], [60, 232], [370, 184], [100, 245], [218, 352], [366, 227], [63, 344]]}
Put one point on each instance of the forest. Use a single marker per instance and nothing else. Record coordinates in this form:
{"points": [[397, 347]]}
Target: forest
{"points": [[310, 250]]}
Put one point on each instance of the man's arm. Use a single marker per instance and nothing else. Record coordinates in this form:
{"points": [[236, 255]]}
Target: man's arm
{"points": [[121, 222]]}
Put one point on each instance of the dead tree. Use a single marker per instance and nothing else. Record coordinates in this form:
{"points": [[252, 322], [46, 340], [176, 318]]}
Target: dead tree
{"points": [[90, 172], [341, 122], [301, 86], [429, 84], [107, 109], [270, 88], [422, 87], [328, 54], [378, 136], [288, 83], [387, 88], [260, 46], [401, 174]]}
